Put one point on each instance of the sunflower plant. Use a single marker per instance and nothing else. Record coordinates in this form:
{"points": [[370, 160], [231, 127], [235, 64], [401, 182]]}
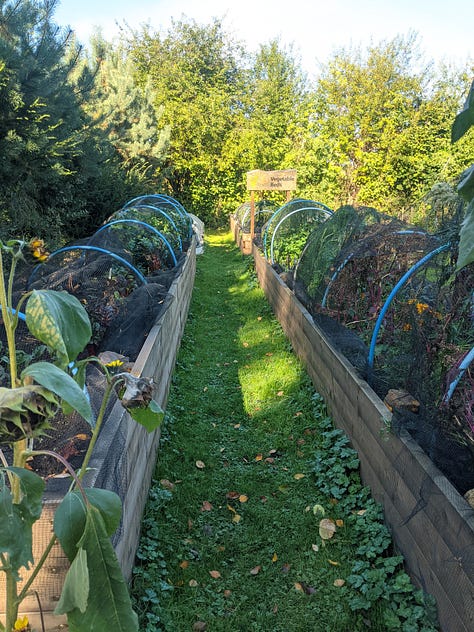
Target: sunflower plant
{"points": [[94, 596]]}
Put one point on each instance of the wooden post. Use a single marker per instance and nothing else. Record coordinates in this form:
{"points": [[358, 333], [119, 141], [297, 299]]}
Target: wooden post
{"points": [[252, 215]]}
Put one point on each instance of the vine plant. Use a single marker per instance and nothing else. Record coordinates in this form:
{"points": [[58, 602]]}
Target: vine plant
{"points": [[94, 597]]}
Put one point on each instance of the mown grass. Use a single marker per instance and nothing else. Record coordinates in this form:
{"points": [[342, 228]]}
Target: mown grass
{"points": [[230, 539]]}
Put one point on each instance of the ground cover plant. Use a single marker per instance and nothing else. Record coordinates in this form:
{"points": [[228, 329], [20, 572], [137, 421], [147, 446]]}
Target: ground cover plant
{"points": [[257, 519]]}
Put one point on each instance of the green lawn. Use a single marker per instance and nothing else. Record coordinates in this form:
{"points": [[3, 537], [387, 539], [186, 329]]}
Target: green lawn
{"points": [[249, 465]]}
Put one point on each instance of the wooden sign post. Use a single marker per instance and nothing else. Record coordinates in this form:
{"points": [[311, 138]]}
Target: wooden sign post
{"points": [[258, 180]]}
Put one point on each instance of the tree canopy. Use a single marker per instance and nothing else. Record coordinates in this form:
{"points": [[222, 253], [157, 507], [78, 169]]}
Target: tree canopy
{"points": [[189, 110]]}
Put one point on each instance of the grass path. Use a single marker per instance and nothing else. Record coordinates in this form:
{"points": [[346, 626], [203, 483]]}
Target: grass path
{"points": [[231, 542]]}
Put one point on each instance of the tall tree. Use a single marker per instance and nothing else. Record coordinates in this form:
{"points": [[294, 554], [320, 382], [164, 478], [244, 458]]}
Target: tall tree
{"points": [[273, 115], [196, 77], [380, 128]]}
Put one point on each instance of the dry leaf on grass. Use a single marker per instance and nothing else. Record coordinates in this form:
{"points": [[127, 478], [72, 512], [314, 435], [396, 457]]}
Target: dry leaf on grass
{"points": [[256, 570], [200, 465], [215, 574], [206, 506], [327, 528], [339, 582]]}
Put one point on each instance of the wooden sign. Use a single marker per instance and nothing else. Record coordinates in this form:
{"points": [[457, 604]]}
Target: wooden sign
{"points": [[284, 180]]}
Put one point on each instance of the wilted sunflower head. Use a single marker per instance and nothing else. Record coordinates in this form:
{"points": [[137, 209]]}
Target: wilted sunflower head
{"points": [[25, 412], [37, 250]]}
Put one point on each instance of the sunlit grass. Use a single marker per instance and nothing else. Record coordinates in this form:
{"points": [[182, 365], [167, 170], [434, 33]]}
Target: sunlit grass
{"points": [[236, 534]]}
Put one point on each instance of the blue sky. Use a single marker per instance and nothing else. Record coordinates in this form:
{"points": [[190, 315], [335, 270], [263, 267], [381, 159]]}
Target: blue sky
{"points": [[316, 28]]}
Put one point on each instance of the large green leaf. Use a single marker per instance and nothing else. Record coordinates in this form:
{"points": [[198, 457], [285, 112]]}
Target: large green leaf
{"points": [[16, 520], [62, 384], [150, 416], [75, 593], [466, 184], [108, 605], [60, 321], [70, 516], [466, 239], [465, 119]]}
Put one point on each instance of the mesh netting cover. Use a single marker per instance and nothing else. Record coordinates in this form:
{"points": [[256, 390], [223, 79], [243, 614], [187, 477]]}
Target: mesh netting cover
{"points": [[345, 275], [96, 279], [263, 211], [159, 220], [170, 206], [144, 245], [283, 215]]}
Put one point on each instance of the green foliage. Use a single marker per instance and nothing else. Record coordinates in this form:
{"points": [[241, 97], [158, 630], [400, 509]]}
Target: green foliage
{"points": [[95, 595], [462, 123], [56, 381], [60, 321], [17, 518], [107, 604]]}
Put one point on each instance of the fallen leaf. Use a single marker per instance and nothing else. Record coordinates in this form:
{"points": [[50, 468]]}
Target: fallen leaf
{"points": [[315, 547], [200, 465], [318, 510], [243, 498], [334, 563], [327, 528], [230, 508], [193, 583], [256, 570], [269, 459], [298, 586], [339, 523], [200, 626], [275, 608], [184, 564], [259, 457], [236, 518], [299, 476], [227, 593], [269, 354], [361, 512], [259, 317], [245, 344], [204, 389], [339, 582], [275, 558], [167, 484], [232, 495], [236, 425], [206, 506], [214, 574], [280, 393]]}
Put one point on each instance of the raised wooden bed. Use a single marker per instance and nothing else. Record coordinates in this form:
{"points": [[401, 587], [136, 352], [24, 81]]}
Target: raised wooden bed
{"points": [[431, 524], [131, 474]]}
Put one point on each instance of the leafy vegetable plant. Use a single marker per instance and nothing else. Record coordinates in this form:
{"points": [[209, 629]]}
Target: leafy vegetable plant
{"points": [[94, 595]]}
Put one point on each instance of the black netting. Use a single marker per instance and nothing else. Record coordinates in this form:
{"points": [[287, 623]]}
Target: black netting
{"points": [[296, 219], [388, 296], [163, 204]]}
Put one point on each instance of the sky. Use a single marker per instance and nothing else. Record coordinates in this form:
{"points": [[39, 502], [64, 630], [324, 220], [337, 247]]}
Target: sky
{"points": [[315, 28]]}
